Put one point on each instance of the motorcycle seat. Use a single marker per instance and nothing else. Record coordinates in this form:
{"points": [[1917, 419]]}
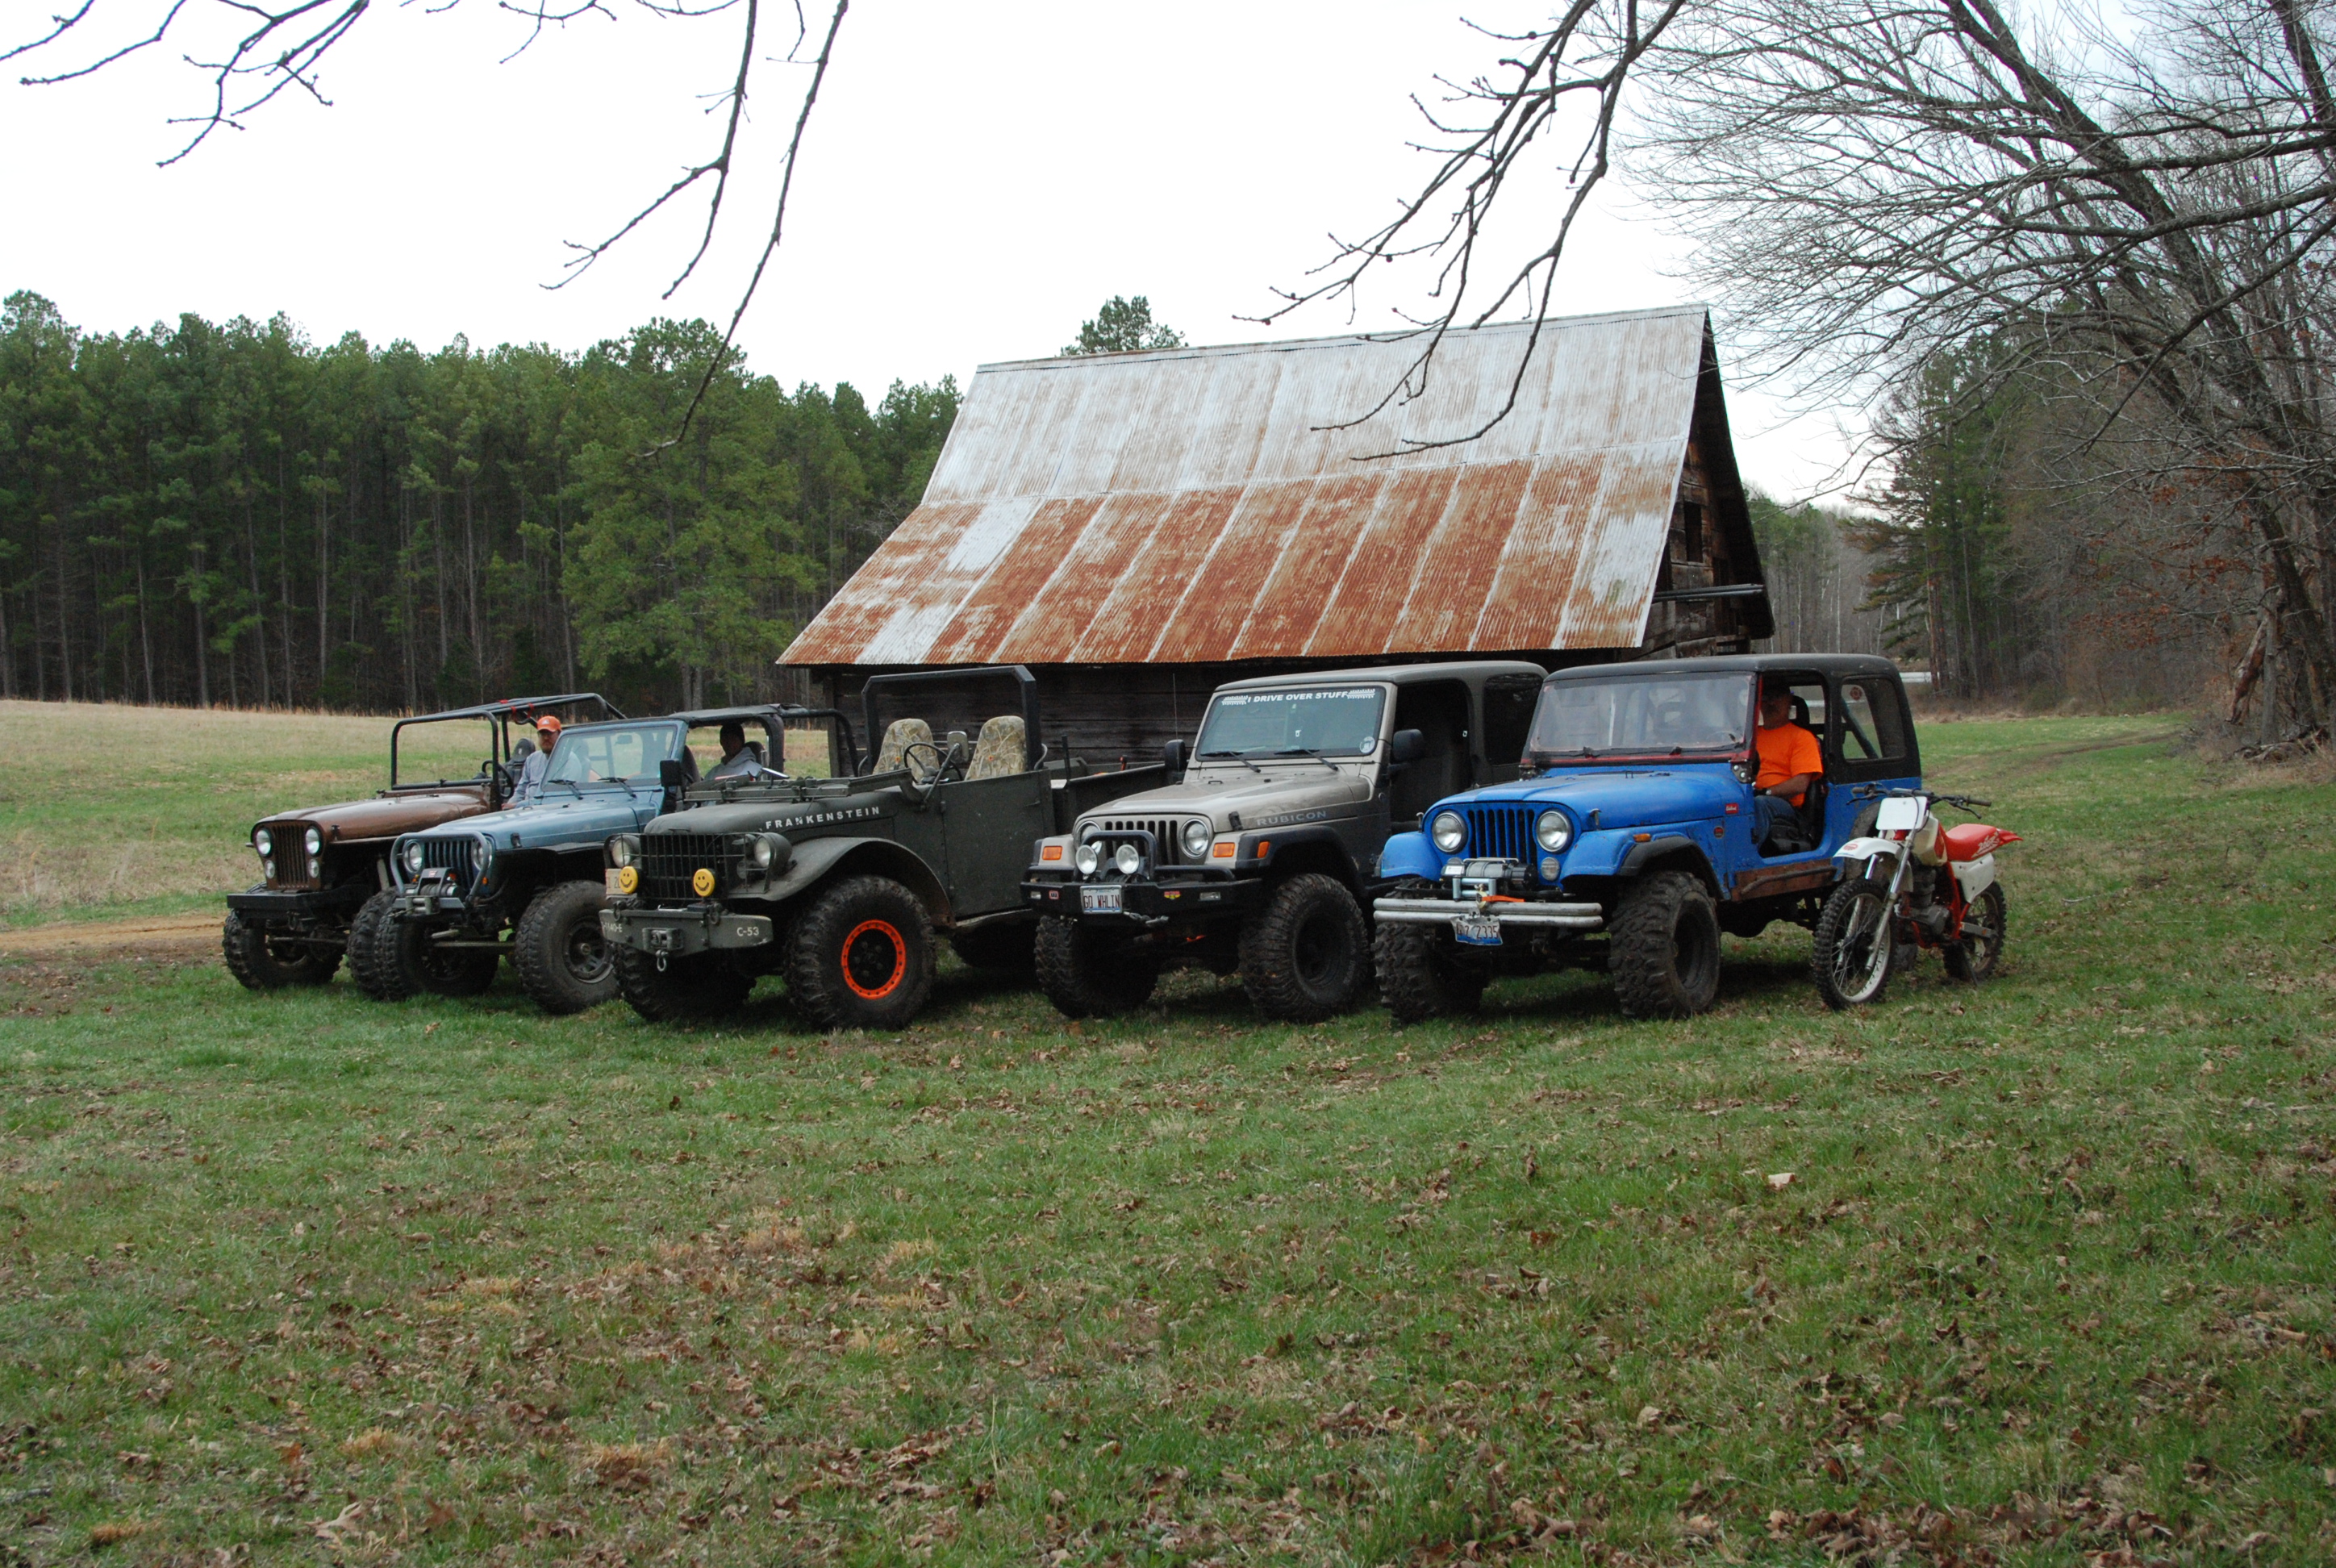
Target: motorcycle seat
{"points": [[1974, 841]]}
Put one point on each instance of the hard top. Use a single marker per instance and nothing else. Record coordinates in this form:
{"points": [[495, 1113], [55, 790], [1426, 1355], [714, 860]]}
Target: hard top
{"points": [[1831, 664], [1473, 671]]}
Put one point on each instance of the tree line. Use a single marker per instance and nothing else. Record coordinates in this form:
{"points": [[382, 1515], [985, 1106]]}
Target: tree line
{"points": [[201, 512]]}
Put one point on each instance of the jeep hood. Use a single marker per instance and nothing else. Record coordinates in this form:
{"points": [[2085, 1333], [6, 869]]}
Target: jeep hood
{"points": [[1625, 797], [1261, 799], [561, 820], [386, 816]]}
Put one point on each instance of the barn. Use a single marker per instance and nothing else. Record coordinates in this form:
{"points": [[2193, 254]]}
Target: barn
{"points": [[1138, 528]]}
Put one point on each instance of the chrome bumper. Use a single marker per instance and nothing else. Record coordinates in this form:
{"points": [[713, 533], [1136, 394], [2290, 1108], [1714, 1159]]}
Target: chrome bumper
{"points": [[1444, 911]]}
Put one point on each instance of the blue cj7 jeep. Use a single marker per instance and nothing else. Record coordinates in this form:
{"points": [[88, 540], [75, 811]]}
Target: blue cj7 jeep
{"points": [[1634, 818]]}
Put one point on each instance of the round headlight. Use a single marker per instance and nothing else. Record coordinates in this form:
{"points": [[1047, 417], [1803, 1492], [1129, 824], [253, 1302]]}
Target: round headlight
{"points": [[264, 841], [1449, 832], [413, 852], [315, 842], [764, 852], [1087, 857], [620, 851], [1196, 840], [486, 853], [1552, 831], [1127, 858]]}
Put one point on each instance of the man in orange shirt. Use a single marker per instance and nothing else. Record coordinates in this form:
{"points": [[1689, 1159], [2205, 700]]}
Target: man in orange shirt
{"points": [[1790, 760]]}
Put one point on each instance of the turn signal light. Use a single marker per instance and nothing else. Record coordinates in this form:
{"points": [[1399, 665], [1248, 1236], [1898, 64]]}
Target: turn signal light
{"points": [[1223, 852], [1051, 852]]}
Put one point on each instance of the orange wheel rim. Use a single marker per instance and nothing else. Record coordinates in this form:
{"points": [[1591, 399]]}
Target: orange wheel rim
{"points": [[890, 934]]}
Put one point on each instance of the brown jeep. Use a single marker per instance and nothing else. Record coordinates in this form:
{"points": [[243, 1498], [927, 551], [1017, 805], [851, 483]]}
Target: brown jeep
{"points": [[321, 864]]}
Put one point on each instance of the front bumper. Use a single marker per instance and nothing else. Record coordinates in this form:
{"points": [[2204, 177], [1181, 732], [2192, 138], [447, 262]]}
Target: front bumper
{"points": [[1146, 900], [692, 929], [304, 910], [1525, 915]]}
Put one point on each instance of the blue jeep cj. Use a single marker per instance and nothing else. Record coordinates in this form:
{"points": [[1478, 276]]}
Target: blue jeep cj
{"points": [[1635, 818]]}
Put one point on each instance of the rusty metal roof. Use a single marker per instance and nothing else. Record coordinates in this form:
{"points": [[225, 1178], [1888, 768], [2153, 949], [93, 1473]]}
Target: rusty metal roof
{"points": [[1188, 505]]}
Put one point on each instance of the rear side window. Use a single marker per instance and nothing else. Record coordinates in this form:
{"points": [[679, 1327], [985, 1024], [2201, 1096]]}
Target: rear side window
{"points": [[1873, 721], [1508, 715]]}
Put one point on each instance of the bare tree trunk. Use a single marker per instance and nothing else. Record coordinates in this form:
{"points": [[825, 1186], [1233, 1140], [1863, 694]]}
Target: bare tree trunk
{"points": [[145, 630]]}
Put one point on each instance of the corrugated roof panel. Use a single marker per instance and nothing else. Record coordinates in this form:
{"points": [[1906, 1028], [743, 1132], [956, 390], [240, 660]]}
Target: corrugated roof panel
{"points": [[1154, 576], [1211, 504], [1378, 575]]}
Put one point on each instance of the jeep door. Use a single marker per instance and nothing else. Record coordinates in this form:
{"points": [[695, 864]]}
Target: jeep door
{"points": [[1439, 711], [987, 827]]}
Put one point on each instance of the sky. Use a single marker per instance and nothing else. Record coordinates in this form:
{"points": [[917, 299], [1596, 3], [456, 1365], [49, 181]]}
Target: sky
{"points": [[975, 181]]}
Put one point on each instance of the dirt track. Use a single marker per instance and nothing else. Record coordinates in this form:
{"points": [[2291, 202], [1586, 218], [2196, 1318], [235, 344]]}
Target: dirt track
{"points": [[178, 935]]}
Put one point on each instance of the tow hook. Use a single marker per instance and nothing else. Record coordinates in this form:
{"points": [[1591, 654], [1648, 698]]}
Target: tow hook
{"points": [[660, 958]]}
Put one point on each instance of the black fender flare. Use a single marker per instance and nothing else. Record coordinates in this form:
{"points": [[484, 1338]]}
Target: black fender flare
{"points": [[817, 859], [1669, 848], [1304, 838]]}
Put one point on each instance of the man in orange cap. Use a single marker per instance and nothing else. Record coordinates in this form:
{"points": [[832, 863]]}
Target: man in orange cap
{"points": [[531, 776]]}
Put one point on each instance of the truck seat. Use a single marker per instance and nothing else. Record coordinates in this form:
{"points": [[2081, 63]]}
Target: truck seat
{"points": [[1003, 748], [899, 737]]}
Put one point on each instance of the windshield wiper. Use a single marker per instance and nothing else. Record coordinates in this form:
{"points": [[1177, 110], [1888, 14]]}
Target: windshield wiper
{"points": [[1236, 756], [1314, 752]]}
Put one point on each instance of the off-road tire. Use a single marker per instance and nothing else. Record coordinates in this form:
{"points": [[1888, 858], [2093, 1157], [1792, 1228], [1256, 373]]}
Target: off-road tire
{"points": [[1005, 947], [1091, 973], [563, 961], [371, 964], [1664, 952], [267, 966], [699, 986], [861, 957], [1423, 975], [1970, 963], [404, 949], [1306, 956], [1840, 991]]}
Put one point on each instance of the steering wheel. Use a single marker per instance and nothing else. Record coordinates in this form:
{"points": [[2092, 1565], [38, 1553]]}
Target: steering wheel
{"points": [[944, 760]]}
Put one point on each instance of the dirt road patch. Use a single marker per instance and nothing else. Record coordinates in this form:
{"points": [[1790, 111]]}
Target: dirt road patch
{"points": [[178, 935]]}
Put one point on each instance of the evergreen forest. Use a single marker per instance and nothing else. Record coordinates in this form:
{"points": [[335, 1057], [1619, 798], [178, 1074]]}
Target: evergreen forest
{"points": [[231, 513]]}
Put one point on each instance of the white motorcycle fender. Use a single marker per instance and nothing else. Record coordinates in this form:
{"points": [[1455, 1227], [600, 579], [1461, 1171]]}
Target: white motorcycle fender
{"points": [[1867, 849], [1975, 876]]}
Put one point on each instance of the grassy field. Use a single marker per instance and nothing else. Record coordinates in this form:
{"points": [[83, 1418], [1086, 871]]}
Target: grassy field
{"points": [[2038, 1272]]}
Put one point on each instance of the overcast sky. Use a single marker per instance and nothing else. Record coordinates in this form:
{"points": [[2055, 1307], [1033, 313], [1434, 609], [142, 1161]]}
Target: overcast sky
{"points": [[977, 180]]}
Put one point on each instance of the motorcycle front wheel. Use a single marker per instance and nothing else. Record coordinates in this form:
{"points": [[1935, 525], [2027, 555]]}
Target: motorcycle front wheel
{"points": [[1851, 958], [1975, 955]]}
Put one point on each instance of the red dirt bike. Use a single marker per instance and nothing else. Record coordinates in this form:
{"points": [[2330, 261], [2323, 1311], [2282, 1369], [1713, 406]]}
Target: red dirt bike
{"points": [[1912, 883]]}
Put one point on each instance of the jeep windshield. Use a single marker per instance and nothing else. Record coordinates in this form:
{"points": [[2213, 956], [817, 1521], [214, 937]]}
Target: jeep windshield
{"points": [[1303, 722], [618, 755], [1638, 717]]}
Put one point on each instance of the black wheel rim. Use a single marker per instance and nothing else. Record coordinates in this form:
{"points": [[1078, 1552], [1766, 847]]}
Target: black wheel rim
{"points": [[588, 951], [1315, 949]]}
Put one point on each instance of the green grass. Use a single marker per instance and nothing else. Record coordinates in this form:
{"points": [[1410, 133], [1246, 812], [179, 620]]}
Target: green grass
{"points": [[296, 1277]]}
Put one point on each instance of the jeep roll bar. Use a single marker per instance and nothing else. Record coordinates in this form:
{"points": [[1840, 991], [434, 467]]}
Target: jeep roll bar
{"points": [[1027, 684], [504, 711]]}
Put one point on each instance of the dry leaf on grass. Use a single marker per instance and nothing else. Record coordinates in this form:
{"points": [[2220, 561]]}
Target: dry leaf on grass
{"points": [[628, 1466], [1780, 1179], [116, 1531]]}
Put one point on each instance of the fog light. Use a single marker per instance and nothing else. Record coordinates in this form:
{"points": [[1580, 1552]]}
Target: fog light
{"points": [[1549, 868], [1086, 858], [267, 867], [1128, 859]]}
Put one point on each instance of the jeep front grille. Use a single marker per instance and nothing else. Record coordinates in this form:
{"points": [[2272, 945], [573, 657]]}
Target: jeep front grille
{"points": [[292, 868], [1166, 846], [671, 862], [460, 857], [1499, 833]]}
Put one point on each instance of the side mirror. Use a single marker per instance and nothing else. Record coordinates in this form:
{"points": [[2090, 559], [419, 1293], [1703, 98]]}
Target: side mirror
{"points": [[1173, 756], [1406, 745], [669, 774]]}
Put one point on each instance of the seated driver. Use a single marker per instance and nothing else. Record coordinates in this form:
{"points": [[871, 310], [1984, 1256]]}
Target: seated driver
{"points": [[739, 760], [538, 761], [1790, 760]]}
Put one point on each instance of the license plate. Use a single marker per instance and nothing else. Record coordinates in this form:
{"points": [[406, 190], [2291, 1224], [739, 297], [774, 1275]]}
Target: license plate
{"points": [[1477, 931], [609, 880], [1099, 900]]}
